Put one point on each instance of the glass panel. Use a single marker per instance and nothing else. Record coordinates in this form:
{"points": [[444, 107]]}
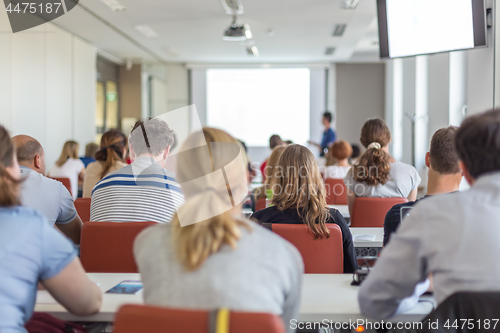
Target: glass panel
{"points": [[100, 110], [111, 105]]}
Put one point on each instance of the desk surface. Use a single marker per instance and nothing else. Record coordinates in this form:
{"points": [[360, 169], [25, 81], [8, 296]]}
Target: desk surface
{"points": [[377, 232], [324, 296]]}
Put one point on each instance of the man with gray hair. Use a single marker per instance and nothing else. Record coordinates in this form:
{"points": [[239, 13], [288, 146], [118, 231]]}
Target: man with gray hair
{"points": [[144, 190], [46, 195]]}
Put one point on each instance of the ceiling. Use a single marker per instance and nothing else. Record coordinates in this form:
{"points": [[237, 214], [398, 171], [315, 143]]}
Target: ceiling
{"points": [[190, 31]]}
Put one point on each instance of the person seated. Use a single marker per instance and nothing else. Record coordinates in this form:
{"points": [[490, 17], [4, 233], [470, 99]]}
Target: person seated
{"points": [[110, 157], [377, 174], [329, 135], [32, 251], [454, 237], [299, 197], [143, 190], [90, 149], [274, 141], [444, 175], [340, 152], [210, 257], [261, 192], [48, 196], [69, 166], [356, 152]]}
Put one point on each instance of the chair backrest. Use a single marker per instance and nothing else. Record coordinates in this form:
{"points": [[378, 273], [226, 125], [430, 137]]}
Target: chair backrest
{"points": [[321, 256], [143, 318], [370, 212], [65, 181], [336, 191], [82, 206], [107, 247], [260, 204]]}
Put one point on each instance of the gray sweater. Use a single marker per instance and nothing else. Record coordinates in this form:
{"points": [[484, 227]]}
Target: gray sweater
{"points": [[263, 274]]}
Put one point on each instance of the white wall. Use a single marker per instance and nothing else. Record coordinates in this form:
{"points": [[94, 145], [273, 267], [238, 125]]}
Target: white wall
{"points": [[47, 86]]}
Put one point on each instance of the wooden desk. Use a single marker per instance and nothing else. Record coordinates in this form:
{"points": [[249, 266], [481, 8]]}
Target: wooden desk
{"points": [[324, 296]]}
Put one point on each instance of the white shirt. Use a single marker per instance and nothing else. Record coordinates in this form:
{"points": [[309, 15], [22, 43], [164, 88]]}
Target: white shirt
{"points": [[336, 171], [70, 169], [453, 236]]}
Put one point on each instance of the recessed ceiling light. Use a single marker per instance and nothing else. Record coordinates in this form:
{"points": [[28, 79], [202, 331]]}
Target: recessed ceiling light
{"points": [[114, 5], [171, 51], [350, 4], [339, 30], [329, 50], [146, 31], [232, 7], [252, 50]]}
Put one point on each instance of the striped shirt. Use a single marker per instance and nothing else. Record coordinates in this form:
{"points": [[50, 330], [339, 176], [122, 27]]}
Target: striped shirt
{"points": [[141, 191]]}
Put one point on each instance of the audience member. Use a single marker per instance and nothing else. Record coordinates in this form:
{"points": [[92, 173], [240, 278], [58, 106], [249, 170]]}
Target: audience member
{"points": [[272, 161], [143, 190], [340, 151], [90, 150], [274, 141], [444, 175], [110, 158], [300, 197], [377, 174], [224, 261], [454, 237], [356, 152], [32, 251], [49, 197], [329, 135], [69, 166]]}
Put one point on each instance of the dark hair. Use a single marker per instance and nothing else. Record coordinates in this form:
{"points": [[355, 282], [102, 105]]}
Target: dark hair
{"points": [[477, 142], [112, 144], [328, 116], [9, 187], [340, 150], [374, 130], [355, 150], [443, 156], [274, 141], [27, 151], [91, 149], [151, 137]]}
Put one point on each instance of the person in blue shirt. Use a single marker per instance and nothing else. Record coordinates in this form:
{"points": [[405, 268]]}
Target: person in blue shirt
{"points": [[329, 135], [32, 251]]}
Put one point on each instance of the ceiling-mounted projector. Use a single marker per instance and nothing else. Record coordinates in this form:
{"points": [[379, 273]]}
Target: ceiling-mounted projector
{"points": [[237, 32]]}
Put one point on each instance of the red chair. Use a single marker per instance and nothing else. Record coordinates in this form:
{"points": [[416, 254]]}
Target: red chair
{"points": [[370, 212], [321, 256], [260, 204], [336, 191], [143, 318], [107, 247], [82, 206], [65, 181]]}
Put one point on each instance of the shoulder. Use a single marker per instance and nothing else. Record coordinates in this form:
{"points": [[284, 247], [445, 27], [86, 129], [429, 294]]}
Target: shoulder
{"points": [[403, 167], [30, 216], [263, 214], [94, 166]]}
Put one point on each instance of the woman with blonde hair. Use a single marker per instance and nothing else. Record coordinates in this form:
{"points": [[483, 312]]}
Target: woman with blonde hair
{"points": [[376, 173], [209, 257], [300, 198], [32, 251], [109, 158], [269, 170], [69, 166]]}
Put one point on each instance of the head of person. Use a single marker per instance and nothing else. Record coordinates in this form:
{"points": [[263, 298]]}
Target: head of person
{"points": [[297, 184], [113, 149], [477, 142], [30, 153], [327, 119], [356, 152], [70, 150], [152, 138], [340, 150], [9, 171], [442, 157], [275, 141], [373, 166], [206, 220], [91, 149]]}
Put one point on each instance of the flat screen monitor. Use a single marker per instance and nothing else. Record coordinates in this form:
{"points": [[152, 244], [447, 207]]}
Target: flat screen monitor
{"points": [[416, 27]]}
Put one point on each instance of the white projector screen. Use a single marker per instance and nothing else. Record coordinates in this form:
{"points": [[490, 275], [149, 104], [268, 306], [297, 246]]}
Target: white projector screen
{"points": [[253, 104], [413, 27]]}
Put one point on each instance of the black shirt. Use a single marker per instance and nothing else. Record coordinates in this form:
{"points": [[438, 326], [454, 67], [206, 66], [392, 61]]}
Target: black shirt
{"points": [[290, 216]]}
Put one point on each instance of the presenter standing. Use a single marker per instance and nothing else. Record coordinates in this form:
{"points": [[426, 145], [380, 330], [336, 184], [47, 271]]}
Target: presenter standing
{"points": [[329, 135]]}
